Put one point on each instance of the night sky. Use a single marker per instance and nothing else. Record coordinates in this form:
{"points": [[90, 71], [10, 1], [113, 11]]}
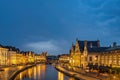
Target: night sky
{"points": [[52, 25]]}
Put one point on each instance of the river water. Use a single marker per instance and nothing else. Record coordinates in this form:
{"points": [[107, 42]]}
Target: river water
{"points": [[42, 72]]}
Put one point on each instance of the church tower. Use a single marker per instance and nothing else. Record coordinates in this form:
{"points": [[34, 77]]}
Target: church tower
{"points": [[85, 54]]}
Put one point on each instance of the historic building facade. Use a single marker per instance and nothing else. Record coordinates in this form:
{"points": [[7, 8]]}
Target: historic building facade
{"points": [[85, 52], [64, 58], [3, 56], [12, 57], [111, 57]]}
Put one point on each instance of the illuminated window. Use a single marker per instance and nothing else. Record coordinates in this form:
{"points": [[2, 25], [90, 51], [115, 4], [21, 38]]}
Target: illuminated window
{"points": [[118, 59]]}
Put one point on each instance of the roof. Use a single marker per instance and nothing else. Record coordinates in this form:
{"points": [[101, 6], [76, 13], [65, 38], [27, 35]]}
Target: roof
{"points": [[97, 49], [94, 43], [11, 48], [95, 46], [113, 48], [82, 44]]}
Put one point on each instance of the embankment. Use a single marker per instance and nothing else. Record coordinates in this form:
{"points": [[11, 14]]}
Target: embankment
{"points": [[74, 74], [12, 77]]}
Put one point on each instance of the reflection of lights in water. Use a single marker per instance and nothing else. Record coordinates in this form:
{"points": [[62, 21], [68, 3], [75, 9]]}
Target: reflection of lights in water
{"points": [[71, 79], [38, 71], [35, 72], [60, 76], [20, 76], [30, 72], [43, 69]]}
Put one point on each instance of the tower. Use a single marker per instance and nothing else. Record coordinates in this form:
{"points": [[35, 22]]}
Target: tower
{"points": [[85, 53]]}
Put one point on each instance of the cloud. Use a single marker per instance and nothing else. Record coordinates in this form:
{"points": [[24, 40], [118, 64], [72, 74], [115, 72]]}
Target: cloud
{"points": [[49, 46], [107, 22]]}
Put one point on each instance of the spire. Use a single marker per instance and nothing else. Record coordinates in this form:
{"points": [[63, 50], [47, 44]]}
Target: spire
{"points": [[85, 43], [85, 48], [73, 47], [76, 39], [72, 44], [98, 43]]}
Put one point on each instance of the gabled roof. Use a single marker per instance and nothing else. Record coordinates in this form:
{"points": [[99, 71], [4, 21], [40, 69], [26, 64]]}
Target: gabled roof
{"points": [[95, 46], [97, 49], [113, 48], [82, 44]]}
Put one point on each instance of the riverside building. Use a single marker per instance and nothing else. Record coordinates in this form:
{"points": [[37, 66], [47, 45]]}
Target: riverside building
{"points": [[86, 52]]}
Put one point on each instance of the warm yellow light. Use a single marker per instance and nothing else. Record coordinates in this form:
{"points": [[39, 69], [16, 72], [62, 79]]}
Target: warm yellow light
{"points": [[60, 76]]}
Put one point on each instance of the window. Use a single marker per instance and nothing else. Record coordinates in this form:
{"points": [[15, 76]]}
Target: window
{"points": [[90, 58]]}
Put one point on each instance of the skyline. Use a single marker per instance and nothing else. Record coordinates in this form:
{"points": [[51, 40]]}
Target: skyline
{"points": [[53, 25]]}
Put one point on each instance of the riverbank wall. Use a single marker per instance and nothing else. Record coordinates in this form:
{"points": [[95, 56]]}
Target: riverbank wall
{"points": [[12, 77], [74, 74]]}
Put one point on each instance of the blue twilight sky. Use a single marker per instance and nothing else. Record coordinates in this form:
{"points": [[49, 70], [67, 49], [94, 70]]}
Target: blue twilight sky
{"points": [[52, 25]]}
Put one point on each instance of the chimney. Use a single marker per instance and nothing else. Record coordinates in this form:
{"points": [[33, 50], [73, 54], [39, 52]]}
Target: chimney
{"points": [[85, 43], [91, 45], [114, 44], [98, 43]]}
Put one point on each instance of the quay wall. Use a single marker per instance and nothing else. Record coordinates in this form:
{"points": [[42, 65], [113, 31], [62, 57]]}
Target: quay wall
{"points": [[12, 77]]}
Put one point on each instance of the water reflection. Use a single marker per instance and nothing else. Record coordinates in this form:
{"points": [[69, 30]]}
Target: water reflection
{"points": [[4, 75], [42, 72], [61, 76]]}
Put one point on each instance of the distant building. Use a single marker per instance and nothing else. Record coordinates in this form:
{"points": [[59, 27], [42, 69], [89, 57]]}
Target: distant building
{"points": [[44, 54], [64, 58], [30, 57], [40, 58], [51, 58], [10, 55]]}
